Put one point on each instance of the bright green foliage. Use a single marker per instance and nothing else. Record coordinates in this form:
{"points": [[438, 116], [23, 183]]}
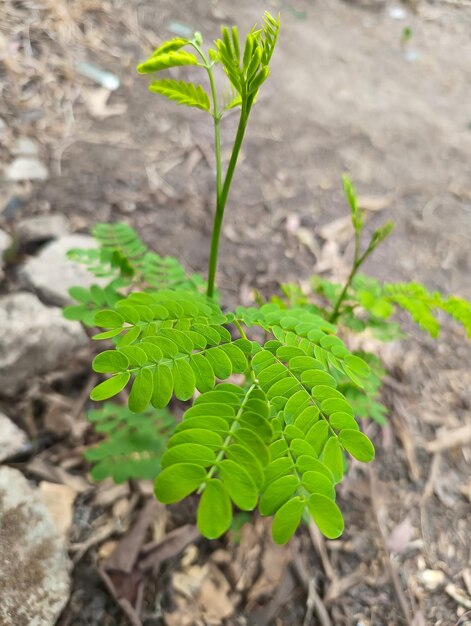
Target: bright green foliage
{"points": [[89, 301], [124, 258], [125, 261], [169, 342], [365, 401], [281, 440], [277, 440], [245, 65], [134, 443], [182, 92], [370, 304], [163, 59]]}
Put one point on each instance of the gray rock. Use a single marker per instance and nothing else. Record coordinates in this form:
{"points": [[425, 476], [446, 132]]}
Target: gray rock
{"points": [[12, 439], [34, 339], [5, 243], [41, 228], [34, 567], [26, 168], [50, 274]]}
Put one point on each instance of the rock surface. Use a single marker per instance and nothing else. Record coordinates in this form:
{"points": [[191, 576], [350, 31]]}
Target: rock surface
{"points": [[5, 243], [41, 228], [34, 567], [34, 339], [50, 274], [12, 438], [26, 168]]}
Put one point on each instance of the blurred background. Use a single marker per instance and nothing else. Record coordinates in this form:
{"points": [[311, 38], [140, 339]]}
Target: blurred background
{"points": [[377, 89]]}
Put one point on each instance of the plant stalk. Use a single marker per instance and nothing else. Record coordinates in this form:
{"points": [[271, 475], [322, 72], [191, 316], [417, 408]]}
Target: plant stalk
{"points": [[357, 263], [221, 195]]}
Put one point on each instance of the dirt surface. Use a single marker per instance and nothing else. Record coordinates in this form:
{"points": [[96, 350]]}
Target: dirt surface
{"points": [[345, 95]]}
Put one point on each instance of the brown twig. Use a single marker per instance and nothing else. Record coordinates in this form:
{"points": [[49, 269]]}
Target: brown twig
{"points": [[318, 542], [80, 402], [314, 603]]}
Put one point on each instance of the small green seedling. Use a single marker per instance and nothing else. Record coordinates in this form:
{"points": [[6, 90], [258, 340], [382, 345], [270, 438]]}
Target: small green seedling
{"points": [[279, 441], [363, 303]]}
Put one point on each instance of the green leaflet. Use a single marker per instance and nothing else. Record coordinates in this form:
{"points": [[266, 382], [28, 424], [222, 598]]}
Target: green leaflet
{"points": [[141, 391], [204, 374], [333, 459], [197, 435], [110, 361], [287, 519], [307, 464], [245, 458], [327, 515], [277, 493], [315, 482], [239, 484], [357, 444], [182, 92], [183, 380], [163, 386], [108, 319], [110, 387], [165, 60], [220, 362], [278, 468], [177, 481], [170, 46], [253, 443], [192, 452], [214, 510]]}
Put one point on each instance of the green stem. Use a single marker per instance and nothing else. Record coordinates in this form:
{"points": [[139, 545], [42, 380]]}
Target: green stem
{"points": [[217, 132], [227, 441], [357, 263], [216, 115], [222, 189], [238, 325], [221, 203]]}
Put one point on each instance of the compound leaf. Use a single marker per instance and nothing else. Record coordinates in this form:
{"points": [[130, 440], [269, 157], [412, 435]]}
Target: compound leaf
{"points": [[182, 92]]}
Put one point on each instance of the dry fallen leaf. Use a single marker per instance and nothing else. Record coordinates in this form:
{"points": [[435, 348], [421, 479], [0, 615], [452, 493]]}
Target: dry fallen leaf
{"points": [[401, 536], [213, 598], [96, 101], [59, 500]]}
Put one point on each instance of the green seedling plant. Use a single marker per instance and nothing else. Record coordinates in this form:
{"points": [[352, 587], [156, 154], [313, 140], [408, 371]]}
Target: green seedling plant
{"points": [[363, 303], [279, 440]]}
